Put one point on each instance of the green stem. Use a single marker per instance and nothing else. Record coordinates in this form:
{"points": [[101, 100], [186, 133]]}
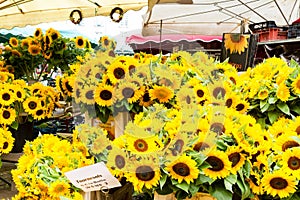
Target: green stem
{"points": [[44, 65]]}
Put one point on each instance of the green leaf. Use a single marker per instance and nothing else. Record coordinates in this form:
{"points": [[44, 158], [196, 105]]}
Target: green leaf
{"points": [[163, 180], [262, 103], [14, 125], [204, 179], [246, 169], [272, 100], [229, 181], [184, 186], [296, 109], [265, 107], [284, 108], [273, 116], [221, 193]]}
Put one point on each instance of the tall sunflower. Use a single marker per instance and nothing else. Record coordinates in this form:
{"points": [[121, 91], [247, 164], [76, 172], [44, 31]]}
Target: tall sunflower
{"points": [[104, 94], [87, 94], [7, 115], [145, 173], [220, 165], [118, 161], [80, 42], [279, 184], [183, 169], [236, 157], [162, 93], [283, 92], [117, 71], [7, 97], [291, 161], [296, 84], [142, 145], [235, 42], [127, 91], [59, 188]]}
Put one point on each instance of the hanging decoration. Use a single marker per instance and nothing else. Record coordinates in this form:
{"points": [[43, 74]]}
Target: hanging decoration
{"points": [[76, 16], [116, 14]]}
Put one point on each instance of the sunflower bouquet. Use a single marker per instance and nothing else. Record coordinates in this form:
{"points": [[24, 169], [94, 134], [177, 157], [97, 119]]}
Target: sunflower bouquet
{"points": [[272, 90], [40, 170], [36, 57]]}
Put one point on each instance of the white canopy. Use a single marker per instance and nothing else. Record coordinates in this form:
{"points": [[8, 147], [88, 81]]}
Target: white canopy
{"points": [[215, 17], [19, 13]]}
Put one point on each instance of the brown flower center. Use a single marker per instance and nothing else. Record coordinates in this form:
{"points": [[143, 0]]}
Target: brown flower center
{"points": [[200, 146], [217, 127], [219, 92], [289, 144], [32, 105], [89, 94], [144, 173], [120, 161], [6, 114], [228, 103], [178, 145], [240, 107], [6, 96], [278, 183], [5, 145], [200, 93], [234, 158], [128, 92], [181, 169], [294, 163], [216, 163], [105, 95], [119, 73], [140, 145]]}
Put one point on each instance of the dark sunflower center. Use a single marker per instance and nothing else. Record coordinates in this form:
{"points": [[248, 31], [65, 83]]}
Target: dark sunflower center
{"points": [[111, 53], [128, 92], [69, 87], [119, 73], [240, 107], [278, 183], [39, 112], [298, 130], [253, 179], [200, 93], [141, 145], [32, 105], [6, 114], [132, 69], [54, 36], [181, 169], [236, 38], [294, 163], [47, 40], [188, 100], [146, 97], [228, 103], [89, 94], [234, 158], [120, 161], [5, 145], [19, 94], [219, 92], [178, 145], [106, 42], [77, 93], [233, 80], [6, 96], [217, 127], [289, 144], [80, 42], [145, 173], [216, 163], [200, 146], [105, 95]]}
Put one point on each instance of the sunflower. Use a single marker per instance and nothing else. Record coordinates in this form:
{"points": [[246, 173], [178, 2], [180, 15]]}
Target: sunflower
{"points": [[34, 49], [87, 95], [285, 141], [178, 144], [186, 97], [19, 92], [263, 94], [116, 71], [291, 161], [294, 124], [235, 42], [201, 92], [128, 91], [99, 144], [67, 85], [242, 106], [236, 157], [105, 41], [283, 92], [220, 164], [13, 42], [183, 169], [39, 113], [6, 140], [255, 183], [104, 94], [145, 173], [38, 33], [162, 93], [31, 104], [37, 89], [142, 145], [7, 97], [80, 42], [279, 184], [145, 99], [59, 188], [118, 161], [54, 34], [296, 84], [7, 115]]}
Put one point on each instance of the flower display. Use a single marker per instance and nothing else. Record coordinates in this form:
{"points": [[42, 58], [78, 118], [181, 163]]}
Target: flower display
{"points": [[40, 170], [37, 56]]}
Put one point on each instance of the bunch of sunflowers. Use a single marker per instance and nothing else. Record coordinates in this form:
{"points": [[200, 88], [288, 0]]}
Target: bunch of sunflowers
{"points": [[37, 56], [40, 171]]}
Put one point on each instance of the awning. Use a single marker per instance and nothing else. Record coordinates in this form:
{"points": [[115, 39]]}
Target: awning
{"points": [[170, 43]]}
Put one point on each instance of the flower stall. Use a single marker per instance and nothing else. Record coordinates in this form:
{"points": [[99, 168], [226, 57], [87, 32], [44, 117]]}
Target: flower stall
{"points": [[194, 128]]}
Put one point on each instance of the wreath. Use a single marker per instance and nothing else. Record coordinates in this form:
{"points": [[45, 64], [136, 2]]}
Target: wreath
{"points": [[119, 11], [72, 18]]}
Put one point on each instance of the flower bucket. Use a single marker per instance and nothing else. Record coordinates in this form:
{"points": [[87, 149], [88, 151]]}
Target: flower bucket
{"points": [[198, 196], [25, 132]]}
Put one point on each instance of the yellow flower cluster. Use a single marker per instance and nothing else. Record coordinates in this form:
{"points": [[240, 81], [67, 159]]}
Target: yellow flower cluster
{"points": [[40, 171]]}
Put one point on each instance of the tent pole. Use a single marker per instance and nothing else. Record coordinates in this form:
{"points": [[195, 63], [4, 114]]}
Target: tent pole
{"points": [[160, 35]]}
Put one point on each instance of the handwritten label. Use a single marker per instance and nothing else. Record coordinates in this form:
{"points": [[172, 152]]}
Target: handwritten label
{"points": [[92, 178]]}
